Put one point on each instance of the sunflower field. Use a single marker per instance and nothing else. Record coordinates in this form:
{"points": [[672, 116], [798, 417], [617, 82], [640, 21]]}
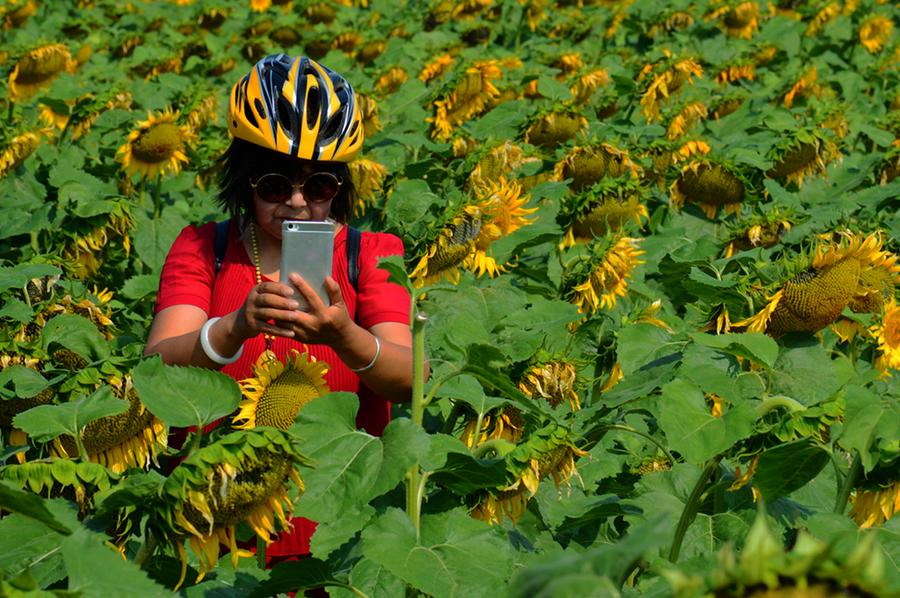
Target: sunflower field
{"points": [[653, 249]]}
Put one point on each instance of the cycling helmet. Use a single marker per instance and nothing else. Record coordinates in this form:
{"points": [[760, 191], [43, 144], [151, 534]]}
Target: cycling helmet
{"points": [[297, 107]]}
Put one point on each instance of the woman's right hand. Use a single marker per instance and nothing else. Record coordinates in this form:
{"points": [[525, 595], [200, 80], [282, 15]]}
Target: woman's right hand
{"points": [[267, 302]]}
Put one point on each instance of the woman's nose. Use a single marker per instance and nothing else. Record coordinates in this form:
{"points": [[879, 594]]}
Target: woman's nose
{"points": [[297, 196]]}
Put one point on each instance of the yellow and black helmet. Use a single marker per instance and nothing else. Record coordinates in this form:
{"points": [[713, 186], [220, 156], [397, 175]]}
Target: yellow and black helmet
{"points": [[297, 107]]}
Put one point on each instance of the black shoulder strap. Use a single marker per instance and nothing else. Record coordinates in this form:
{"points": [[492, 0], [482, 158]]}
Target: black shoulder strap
{"points": [[221, 243], [353, 238]]}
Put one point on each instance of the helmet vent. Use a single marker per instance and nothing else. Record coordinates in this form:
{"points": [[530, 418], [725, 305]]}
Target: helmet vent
{"points": [[248, 114], [313, 105], [260, 109], [332, 127], [287, 118]]}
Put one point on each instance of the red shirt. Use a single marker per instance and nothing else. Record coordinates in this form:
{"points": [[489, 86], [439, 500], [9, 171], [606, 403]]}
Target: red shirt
{"points": [[188, 278]]}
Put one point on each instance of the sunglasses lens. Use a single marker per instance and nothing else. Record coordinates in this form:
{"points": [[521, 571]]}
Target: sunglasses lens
{"points": [[320, 187], [274, 188]]}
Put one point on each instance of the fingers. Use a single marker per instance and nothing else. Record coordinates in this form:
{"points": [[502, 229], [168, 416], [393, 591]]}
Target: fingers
{"points": [[313, 301], [334, 290]]}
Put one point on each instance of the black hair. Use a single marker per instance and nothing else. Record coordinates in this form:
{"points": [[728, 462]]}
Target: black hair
{"points": [[243, 162]]}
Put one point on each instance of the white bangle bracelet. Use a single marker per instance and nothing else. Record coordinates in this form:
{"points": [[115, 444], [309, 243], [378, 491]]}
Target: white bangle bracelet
{"points": [[210, 352], [371, 364]]}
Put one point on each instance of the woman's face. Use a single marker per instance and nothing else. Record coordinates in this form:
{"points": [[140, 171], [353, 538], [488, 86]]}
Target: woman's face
{"points": [[270, 215]]}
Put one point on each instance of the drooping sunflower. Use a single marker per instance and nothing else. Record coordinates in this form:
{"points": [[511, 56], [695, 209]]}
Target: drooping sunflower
{"points": [[552, 380], [52, 118], [808, 153], [688, 116], [763, 230], [733, 73], [391, 80], [82, 257], [887, 333], [875, 32], [710, 183], [804, 87], [666, 77], [726, 104], [241, 477], [555, 128], [436, 68], [119, 442], [18, 149], [278, 391], [504, 422], [601, 276], [199, 110], [453, 245], [585, 84], [88, 108], [37, 69], [469, 97], [368, 177], [503, 211], [15, 16], [740, 20], [827, 14], [607, 206], [156, 146], [501, 160], [815, 297], [587, 165]]}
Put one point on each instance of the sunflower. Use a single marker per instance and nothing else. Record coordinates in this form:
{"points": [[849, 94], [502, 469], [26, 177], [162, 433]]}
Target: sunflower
{"points": [[505, 423], [586, 84], [887, 333], [52, 118], [453, 245], [555, 128], [815, 297], [805, 86], [606, 206], [553, 381], [875, 32], [828, 13], [739, 21], [499, 161], [872, 507], [18, 15], [201, 110], [709, 184], [806, 155], [76, 481], [277, 392], [760, 232], [19, 148], [260, 5], [725, 105], [665, 82], [157, 146], [587, 165], [686, 118], [82, 255], [736, 72], [368, 177], [391, 80], [468, 98], [503, 211], [119, 442], [607, 276], [239, 478], [89, 108], [37, 69], [347, 42], [436, 68]]}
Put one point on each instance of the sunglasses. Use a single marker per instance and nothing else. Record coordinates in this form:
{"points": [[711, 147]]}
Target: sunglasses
{"points": [[318, 187]]}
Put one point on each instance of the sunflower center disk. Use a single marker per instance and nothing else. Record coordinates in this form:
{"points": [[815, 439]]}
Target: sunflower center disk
{"points": [[158, 144], [712, 185], [814, 299], [36, 69], [283, 399]]}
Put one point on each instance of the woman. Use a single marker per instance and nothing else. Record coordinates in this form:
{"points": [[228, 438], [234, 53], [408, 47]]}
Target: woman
{"points": [[295, 125]]}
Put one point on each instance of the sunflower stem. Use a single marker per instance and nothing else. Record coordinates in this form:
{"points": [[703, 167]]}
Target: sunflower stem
{"points": [[195, 441], [142, 192], [849, 481], [691, 508], [157, 208], [142, 558], [413, 494], [79, 444], [260, 553], [34, 242]]}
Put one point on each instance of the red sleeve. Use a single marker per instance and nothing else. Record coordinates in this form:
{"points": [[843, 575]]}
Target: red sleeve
{"points": [[379, 300], [187, 276]]}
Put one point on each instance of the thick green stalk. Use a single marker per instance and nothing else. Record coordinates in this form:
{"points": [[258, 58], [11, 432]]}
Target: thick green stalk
{"points": [[157, 190], [260, 553], [146, 550], [844, 493], [413, 495], [691, 508]]}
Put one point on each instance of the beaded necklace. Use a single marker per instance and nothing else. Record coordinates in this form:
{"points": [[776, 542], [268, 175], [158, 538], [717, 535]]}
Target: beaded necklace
{"points": [[270, 339]]}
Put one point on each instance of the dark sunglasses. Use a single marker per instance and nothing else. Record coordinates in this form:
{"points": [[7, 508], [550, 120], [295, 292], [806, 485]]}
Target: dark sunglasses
{"points": [[318, 187]]}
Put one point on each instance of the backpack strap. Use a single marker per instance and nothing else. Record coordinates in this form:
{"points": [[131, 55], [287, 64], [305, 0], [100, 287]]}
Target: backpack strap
{"points": [[221, 243], [353, 239]]}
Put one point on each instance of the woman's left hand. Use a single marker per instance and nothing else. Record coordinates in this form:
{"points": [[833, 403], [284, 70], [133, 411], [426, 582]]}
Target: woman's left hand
{"points": [[320, 323]]}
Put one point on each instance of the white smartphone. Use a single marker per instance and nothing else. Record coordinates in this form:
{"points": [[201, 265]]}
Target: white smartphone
{"points": [[306, 248]]}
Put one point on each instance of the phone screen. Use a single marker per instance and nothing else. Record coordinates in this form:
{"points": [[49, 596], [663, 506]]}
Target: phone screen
{"points": [[306, 248]]}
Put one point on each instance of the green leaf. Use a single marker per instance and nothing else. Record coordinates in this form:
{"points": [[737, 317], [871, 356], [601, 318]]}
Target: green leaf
{"points": [[95, 570], [295, 576], [805, 372], [153, 237], [371, 579], [396, 270], [28, 505], [17, 277], [26, 382], [690, 428], [28, 545], [184, 396], [17, 310], [46, 422], [640, 344], [788, 467], [351, 466], [77, 334], [138, 287], [755, 346], [553, 90], [329, 538], [867, 417], [456, 555]]}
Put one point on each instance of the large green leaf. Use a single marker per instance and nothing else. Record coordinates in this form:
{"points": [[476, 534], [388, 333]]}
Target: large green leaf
{"points": [[756, 346], [788, 467], [153, 237], [25, 382], [455, 556], [46, 422], [804, 372], [867, 417], [640, 344], [28, 544], [184, 396], [76, 333], [18, 276], [372, 579], [351, 466], [295, 576], [692, 430], [96, 570], [29, 505]]}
